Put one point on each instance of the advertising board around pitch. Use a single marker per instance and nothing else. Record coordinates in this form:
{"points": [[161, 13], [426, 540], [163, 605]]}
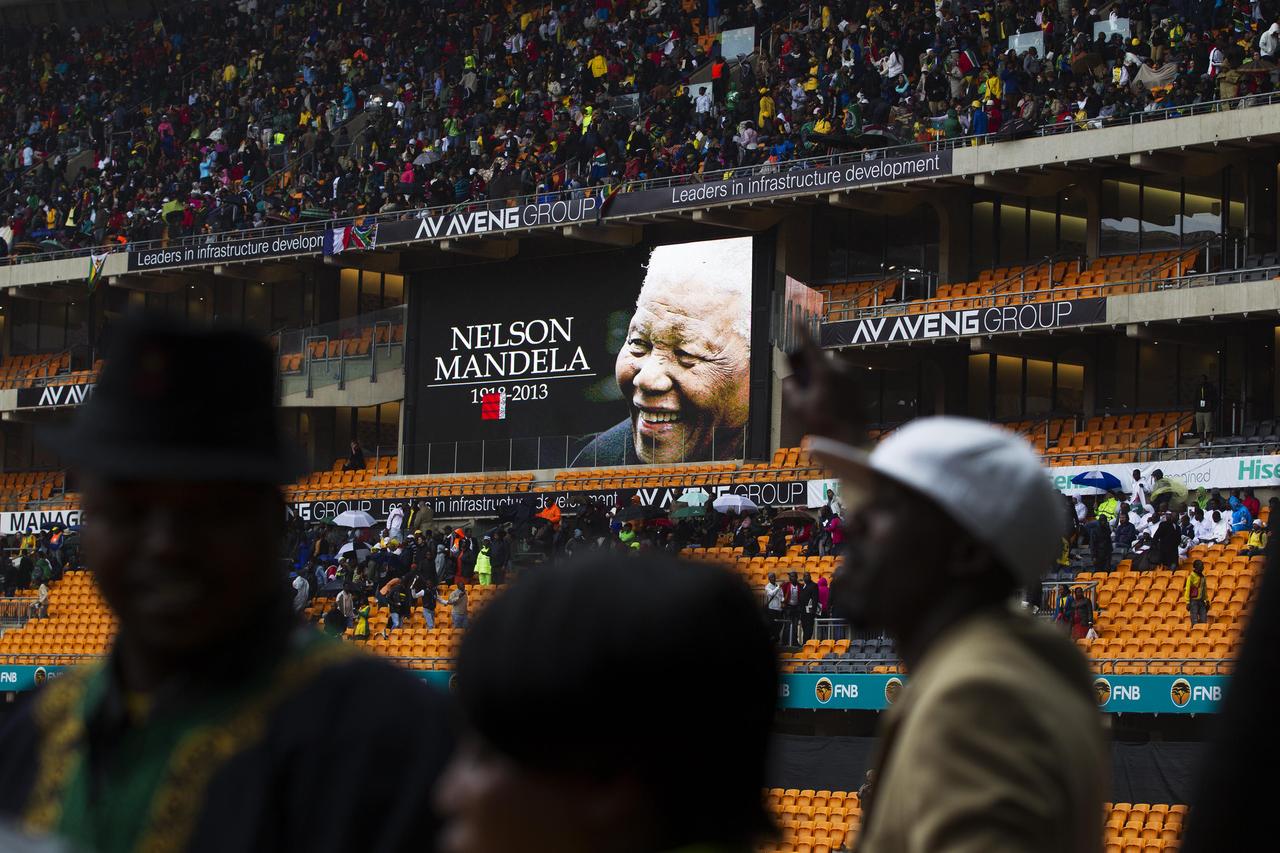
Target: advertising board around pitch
{"points": [[622, 357], [1115, 694]]}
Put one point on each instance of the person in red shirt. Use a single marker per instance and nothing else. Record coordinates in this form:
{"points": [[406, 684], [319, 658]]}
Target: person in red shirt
{"points": [[1251, 503]]}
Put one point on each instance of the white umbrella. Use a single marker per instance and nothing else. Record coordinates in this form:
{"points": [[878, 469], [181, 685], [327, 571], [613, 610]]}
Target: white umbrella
{"points": [[724, 503], [693, 497], [355, 518]]}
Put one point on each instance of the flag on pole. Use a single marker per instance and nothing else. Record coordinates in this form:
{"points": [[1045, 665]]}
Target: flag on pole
{"points": [[96, 263], [339, 240], [493, 406]]}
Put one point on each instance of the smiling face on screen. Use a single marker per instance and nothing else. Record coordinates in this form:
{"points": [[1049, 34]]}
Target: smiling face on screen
{"points": [[685, 366]]}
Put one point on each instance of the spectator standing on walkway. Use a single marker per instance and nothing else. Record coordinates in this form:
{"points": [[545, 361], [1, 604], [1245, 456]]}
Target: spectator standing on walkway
{"points": [[773, 599], [457, 604], [1100, 543], [1196, 594]]}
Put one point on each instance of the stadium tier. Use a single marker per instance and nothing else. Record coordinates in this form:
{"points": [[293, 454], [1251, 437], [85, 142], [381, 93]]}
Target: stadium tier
{"points": [[1141, 619], [376, 111]]}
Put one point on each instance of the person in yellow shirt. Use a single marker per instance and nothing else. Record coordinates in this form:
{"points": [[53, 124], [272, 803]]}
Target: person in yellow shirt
{"points": [[229, 73], [1196, 593], [599, 67], [994, 87], [767, 110], [1256, 546]]}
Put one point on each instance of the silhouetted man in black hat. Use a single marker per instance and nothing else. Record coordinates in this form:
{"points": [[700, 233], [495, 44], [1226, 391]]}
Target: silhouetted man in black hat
{"points": [[214, 724]]}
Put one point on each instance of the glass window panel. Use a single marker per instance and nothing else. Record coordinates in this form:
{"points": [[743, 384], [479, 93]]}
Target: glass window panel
{"points": [[257, 306], [1157, 375], [1013, 232], [980, 386], [388, 428], [1039, 387], [1201, 209], [1119, 217], [1043, 233], [392, 290], [53, 326], [348, 293], [1008, 387], [367, 428], [228, 302], [1070, 390], [1161, 210], [370, 292], [982, 250], [1236, 177], [23, 319], [1197, 361], [1073, 222], [899, 396]]}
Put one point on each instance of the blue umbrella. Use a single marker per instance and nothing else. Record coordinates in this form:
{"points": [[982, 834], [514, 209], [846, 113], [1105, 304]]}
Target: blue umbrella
{"points": [[1097, 480]]}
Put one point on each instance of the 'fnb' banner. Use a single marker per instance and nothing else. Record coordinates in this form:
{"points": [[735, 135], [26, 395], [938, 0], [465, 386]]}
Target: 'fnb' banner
{"points": [[15, 679], [1116, 694]]}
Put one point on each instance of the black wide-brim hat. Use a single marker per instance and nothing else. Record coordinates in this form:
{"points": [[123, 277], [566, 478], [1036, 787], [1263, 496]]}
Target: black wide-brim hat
{"points": [[178, 404]]}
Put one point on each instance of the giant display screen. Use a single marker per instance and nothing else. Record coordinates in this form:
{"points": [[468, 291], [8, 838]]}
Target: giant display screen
{"points": [[621, 357]]}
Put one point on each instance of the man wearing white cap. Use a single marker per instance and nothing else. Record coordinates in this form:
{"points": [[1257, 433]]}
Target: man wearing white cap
{"points": [[995, 743]]}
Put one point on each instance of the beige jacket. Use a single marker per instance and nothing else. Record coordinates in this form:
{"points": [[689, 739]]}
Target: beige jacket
{"points": [[995, 744]]}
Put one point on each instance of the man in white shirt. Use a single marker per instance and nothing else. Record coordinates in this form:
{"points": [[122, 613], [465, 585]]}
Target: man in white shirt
{"points": [[1221, 528], [1203, 527], [702, 103], [300, 591], [1140, 516], [834, 504], [395, 522], [773, 600], [1082, 511], [1137, 491]]}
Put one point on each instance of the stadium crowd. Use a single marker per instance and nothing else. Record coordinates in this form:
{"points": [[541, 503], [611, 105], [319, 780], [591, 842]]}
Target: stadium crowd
{"points": [[220, 116], [405, 571], [1156, 524]]}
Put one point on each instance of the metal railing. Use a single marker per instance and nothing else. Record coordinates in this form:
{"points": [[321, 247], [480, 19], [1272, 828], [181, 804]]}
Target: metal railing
{"points": [[1144, 666], [1020, 278], [1165, 454], [1102, 666], [1126, 287], [725, 444], [444, 485], [333, 353], [15, 611], [839, 665], [1052, 592], [800, 164], [59, 659]]}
